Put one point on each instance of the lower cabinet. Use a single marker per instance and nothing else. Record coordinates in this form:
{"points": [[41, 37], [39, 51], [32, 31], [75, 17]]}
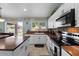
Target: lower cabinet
{"points": [[26, 44], [64, 53], [56, 50], [21, 50], [50, 46], [37, 39], [6, 53]]}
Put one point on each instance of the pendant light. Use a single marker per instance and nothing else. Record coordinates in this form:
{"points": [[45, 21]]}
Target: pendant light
{"points": [[1, 19]]}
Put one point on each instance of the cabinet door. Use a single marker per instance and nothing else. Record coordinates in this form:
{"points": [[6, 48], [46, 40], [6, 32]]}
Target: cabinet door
{"points": [[33, 39], [26, 44], [52, 46], [64, 53], [5, 53], [20, 51], [41, 40]]}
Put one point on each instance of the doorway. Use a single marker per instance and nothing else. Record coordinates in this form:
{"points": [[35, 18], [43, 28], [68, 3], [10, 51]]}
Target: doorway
{"points": [[19, 30]]}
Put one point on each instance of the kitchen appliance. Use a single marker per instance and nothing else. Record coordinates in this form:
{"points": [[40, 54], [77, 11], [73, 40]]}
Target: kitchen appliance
{"points": [[68, 18], [71, 38]]}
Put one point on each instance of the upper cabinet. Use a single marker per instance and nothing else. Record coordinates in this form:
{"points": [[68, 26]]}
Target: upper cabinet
{"points": [[52, 23], [67, 18]]}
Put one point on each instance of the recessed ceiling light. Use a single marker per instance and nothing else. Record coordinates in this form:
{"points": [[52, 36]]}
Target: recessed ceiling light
{"points": [[25, 9]]}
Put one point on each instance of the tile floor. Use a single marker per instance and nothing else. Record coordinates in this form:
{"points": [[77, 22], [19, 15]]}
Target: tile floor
{"points": [[37, 51]]}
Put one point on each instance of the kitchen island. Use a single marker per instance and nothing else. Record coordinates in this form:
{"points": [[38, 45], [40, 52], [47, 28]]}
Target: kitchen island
{"points": [[9, 46]]}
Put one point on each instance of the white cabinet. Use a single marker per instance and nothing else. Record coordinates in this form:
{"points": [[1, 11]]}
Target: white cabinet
{"points": [[64, 53], [50, 43], [6, 53], [50, 46], [26, 44], [37, 39], [33, 40], [63, 8], [20, 51], [42, 39]]}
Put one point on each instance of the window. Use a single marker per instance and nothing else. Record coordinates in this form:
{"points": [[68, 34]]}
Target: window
{"points": [[38, 26], [10, 28]]}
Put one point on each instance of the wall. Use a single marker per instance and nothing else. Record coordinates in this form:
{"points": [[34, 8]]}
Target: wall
{"points": [[27, 25], [26, 22], [63, 8], [2, 26]]}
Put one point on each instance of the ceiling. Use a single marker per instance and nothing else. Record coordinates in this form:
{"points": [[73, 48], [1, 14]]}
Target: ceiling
{"points": [[32, 9]]}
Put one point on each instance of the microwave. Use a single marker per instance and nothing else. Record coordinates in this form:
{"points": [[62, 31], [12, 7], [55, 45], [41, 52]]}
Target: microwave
{"points": [[67, 18]]}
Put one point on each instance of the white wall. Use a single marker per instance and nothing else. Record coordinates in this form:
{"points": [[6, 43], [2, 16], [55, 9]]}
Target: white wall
{"points": [[2, 26], [63, 8], [27, 25]]}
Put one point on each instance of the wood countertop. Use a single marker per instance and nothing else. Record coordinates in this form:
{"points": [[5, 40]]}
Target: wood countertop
{"points": [[9, 43], [72, 50]]}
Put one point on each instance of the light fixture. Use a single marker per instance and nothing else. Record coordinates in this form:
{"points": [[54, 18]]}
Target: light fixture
{"points": [[25, 9], [20, 23], [1, 19]]}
